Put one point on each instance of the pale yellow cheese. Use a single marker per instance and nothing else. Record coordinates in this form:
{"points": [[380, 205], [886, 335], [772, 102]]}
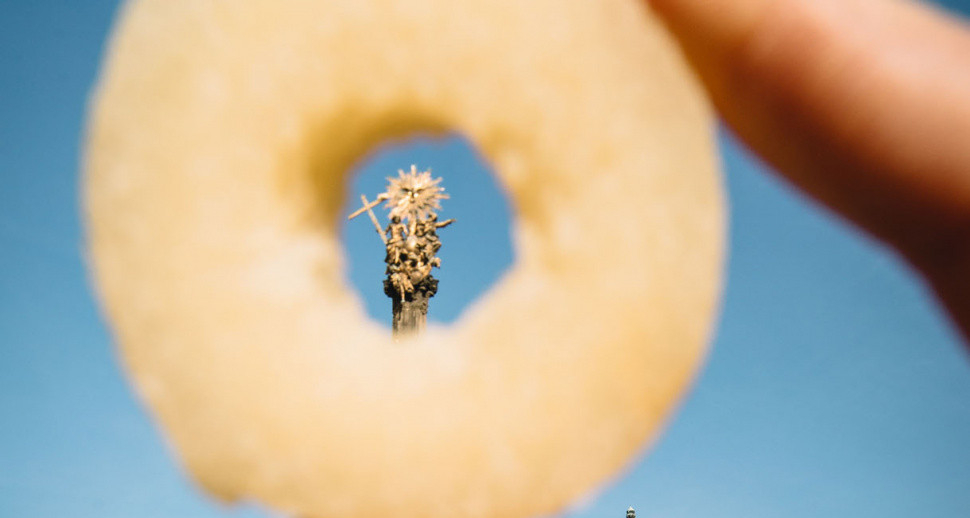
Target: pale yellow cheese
{"points": [[219, 142]]}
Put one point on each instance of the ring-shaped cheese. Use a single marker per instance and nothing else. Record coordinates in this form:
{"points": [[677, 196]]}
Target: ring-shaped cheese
{"points": [[219, 144]]}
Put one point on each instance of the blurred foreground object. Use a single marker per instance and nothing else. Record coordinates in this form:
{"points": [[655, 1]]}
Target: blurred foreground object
{"points": [[411, 245], [219, 144], [862, 104]]}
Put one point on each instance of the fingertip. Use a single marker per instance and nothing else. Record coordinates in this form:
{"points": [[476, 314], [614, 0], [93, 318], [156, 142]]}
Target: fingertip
{"points": [[710, 23], [670, 8]]}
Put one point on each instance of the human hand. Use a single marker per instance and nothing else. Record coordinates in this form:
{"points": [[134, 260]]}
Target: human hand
{"points": [[862, 104]]}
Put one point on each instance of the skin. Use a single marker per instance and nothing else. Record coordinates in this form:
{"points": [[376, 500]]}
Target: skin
{"points": [[862, 104]]}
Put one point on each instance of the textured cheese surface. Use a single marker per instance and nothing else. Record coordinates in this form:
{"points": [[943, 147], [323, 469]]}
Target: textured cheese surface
{"points": [[219, 142]]}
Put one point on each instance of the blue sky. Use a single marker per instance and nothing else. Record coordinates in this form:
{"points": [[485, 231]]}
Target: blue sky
{"points": [[835, 386]]}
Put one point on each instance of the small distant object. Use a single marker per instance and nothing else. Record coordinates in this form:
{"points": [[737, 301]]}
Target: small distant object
{"points": [[631, 513], [411, 244]]}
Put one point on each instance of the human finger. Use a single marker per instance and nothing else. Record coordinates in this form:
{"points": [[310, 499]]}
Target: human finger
{"points": [[863, 104]]}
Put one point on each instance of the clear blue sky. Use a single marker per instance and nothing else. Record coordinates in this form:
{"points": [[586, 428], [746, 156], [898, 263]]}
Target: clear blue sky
{"points": [[835, 386]]}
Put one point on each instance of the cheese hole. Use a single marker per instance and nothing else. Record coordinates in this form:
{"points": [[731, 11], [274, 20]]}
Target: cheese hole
{"points": [[476, 250]]}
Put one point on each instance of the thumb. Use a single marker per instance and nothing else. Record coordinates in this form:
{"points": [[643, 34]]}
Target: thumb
{"points": [[863, 104]]}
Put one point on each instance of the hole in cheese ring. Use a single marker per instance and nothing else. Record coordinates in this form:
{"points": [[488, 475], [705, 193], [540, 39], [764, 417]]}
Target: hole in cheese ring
{"points": [[219, 141]]}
